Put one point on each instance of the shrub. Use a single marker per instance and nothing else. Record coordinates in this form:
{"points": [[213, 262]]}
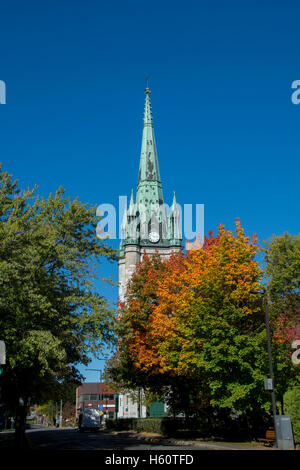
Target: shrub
{"points": [[153, 425], [165, 426]]}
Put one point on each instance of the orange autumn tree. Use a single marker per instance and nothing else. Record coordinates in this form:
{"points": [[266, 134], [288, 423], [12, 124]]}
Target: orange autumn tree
{"points": [[193, 319], [132, 332]]}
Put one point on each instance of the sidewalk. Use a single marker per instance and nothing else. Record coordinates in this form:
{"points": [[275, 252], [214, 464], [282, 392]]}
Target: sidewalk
{"points": [[200, 444]]}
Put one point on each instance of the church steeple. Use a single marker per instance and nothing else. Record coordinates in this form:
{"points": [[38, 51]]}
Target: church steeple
{"points": [[146, 219]]}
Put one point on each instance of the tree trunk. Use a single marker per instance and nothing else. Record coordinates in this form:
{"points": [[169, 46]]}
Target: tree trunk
{"points": [[21, 412], [282, 405]]}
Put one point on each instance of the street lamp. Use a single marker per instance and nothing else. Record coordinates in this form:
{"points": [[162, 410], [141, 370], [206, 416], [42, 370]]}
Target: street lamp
{"points": [[100, 370], [270, 358]]}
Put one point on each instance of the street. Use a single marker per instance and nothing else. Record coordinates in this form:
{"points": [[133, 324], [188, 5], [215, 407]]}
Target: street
{"points": [[72, 439]]}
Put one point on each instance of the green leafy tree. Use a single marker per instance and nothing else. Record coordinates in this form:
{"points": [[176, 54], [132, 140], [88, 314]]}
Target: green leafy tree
{"points": [[51, 315], [292, 408], [282, 270]]}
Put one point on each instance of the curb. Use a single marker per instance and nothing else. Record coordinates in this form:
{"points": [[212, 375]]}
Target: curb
{"points": [[203, 445]]}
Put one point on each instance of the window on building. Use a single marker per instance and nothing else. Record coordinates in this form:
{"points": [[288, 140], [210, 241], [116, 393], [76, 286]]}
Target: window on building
{"points": [[107, 396], [96, 397]]}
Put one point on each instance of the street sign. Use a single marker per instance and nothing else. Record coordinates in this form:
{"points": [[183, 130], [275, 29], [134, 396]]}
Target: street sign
{"points": [[268, 384], [100, 407]]}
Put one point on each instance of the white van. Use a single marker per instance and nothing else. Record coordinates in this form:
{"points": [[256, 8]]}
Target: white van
{"points": [[89, 419]]}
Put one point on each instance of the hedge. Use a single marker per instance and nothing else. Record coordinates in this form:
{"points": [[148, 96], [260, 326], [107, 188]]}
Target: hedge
{"points": [[164, 426], [217, 425], [154, 425]]}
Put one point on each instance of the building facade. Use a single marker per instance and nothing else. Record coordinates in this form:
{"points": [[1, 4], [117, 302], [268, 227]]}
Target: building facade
{"points": [[149, 226], [96, 395]]}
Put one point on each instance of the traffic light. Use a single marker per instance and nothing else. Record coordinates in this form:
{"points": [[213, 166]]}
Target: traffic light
{"points": [[2, 352], [2, 355]]}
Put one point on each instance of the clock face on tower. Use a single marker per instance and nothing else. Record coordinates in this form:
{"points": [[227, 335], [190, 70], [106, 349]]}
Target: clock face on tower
{"points": [[153, 237]]}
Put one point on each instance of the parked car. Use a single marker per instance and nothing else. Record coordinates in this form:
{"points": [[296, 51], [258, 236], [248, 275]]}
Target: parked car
{"points": [[89, 419]]}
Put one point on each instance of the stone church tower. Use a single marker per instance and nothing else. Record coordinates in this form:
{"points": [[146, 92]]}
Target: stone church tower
{"points": [[147, 224], [147, 227]]}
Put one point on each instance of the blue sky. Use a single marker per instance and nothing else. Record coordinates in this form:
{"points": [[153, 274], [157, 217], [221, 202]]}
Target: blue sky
{"points": [[220, 74]]}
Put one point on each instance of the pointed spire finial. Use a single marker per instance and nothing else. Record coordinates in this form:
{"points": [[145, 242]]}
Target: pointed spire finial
{"points": [[147, 91], [131, 198]]}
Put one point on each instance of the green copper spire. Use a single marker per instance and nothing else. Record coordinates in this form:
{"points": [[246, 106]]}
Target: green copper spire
{"points": [[146, 222], [149, 189]]}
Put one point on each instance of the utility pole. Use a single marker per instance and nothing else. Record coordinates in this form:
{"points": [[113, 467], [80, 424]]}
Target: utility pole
{"points": [[60, 421], [101, 389], [270, 364], [100, 385], [101, 392], [273, 398]]}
